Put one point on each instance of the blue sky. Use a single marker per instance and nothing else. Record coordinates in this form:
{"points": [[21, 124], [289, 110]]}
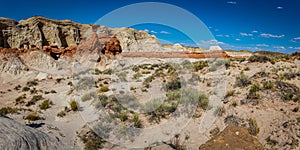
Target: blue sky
{"points": [[235, 24]]}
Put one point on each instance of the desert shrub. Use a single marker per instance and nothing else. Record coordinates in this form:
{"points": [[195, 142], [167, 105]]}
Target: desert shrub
{"points": [[122, 76], [92, 141], [32, 83], [203, 100], [220, 111], [174, 84], [253, 128], [104, 88], [20, 99], [137, 75], [137, 121], [18, 87], [52, 91], [123, 116], [259, 58], [213, 68], [61, 114], [103, 99], [268, 85], [253, 92], [25, 89], [107, 71], [229, 93], [86, 97], [147, 81], [199, 65], [146, 72], [58, 80], [271, 141], [238, 59], [45, 104], [234, 104], [242, 80], [247, 69], [74, 105], [135, 68], [290, 75], [8, 110], [33, 117], [173, 95], [97, 71], [34, 99]]}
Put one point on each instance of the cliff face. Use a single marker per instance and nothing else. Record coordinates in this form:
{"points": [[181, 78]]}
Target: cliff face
{"points": [[39, 32]]}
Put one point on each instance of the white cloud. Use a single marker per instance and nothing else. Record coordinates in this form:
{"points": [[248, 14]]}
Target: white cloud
{"points": [[152, 31], [232, 2], [262, 45], [227, 35], [296, 39], [164, 32], [207, 44], [246, 34], [265, 35], [297, 48], [146, 30], [221, 35], [237, 39], [279, 7], [279, 47], [254, 31]]}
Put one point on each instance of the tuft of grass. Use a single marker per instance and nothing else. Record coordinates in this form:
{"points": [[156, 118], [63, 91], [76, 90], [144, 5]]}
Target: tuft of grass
{"points": [[8, 110], [137, 121], [45, 104], [268, 85], [86, 97], [234, 104], [242, 80], [199, 65], [253, 128], [229, 93], [203, 100], [104, 88], [32, 83], [33, 117], [74, 105]]}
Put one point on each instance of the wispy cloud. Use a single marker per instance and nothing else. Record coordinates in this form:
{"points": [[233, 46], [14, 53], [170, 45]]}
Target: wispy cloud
{"points": [[279, 7], [262, 45], [232, 2], [237, 39], [279, 47], [164, 32], [152, 31], [146, 30], [296, 39], [207, 44], [297, 48], [265, 35], [254, 31], [246, 34], [221, 35]]}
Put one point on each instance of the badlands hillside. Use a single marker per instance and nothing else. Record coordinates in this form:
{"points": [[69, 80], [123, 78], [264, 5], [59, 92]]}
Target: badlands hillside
{"points": [[66, 85]]}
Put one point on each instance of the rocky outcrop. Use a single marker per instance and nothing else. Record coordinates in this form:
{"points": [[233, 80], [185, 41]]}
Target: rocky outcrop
{"points": [[112, 46], [11, 63], [39, 32], [233, 137], [14, 135]]}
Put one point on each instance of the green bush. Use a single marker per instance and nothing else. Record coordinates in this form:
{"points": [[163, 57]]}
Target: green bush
{"points": [[25, 89], [242, 80], [104, 88], [268, 85], [45, 104], [199, 65], [123, 116], [229, 93], [234, 104], [203, 101], [174, 84], [107, 71], [103, 99], [34, 99], [20, 99], [86, 97], [136, 121], [253, 128], [33, 117], [74, 105], [32, 83], [8, 110], [259, 58]]}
